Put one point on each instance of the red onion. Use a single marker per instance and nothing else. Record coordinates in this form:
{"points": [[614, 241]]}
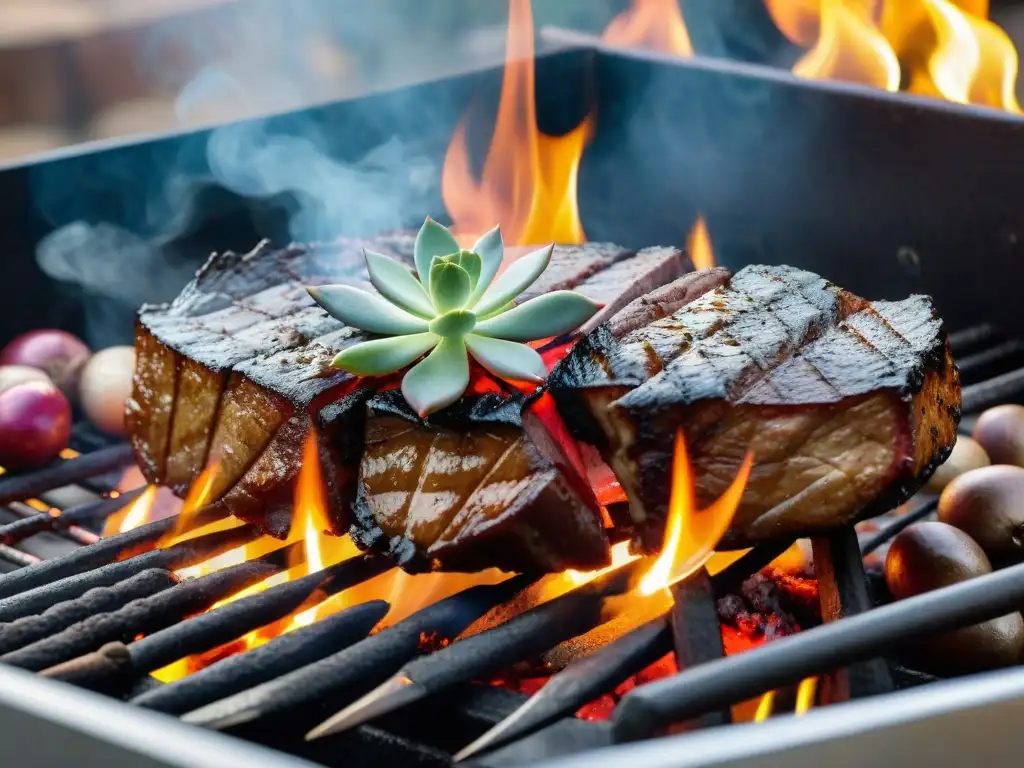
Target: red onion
{"points": [[58, 353], [35, 425]]}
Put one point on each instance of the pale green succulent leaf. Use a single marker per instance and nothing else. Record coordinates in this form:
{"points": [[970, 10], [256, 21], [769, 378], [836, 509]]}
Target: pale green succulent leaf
{"points": [[507, 359], [450, 286], [519, 276], [548, 315], [470, 262], [383, 356], [458, 322], [491, 250], [363, 310], [397, 284], [498, 311], [439, 380], [431, 241]]}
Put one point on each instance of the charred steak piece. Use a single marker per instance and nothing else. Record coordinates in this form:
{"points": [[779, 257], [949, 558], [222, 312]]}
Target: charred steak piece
{"points": [[236, 371], [847, 405], [472, 491]]}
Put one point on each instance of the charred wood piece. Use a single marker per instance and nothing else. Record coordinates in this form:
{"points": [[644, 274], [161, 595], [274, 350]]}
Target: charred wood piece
{"points": [[580, 682], [211, 629], [478, 656], [843, 592], [78, 535], [696, 634]]}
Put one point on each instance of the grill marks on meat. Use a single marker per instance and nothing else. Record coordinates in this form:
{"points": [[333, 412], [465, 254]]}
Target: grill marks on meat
{"points": [[485, 484], [847, 405], [240, 355], [472, 493], [237, 368]]}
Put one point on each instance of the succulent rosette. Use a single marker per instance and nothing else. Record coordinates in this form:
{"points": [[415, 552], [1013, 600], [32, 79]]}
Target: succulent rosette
{"points": [[453, 307]]}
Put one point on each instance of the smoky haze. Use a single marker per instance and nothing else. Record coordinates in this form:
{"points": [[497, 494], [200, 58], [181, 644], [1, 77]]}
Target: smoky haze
{"points": [[122, 220]]}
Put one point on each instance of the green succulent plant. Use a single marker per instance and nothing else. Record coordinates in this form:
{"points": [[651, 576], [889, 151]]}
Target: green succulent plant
{"points": [[453, 309]]}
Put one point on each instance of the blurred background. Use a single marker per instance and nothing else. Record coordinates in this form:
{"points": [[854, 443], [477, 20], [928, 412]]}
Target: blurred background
{"points": [[77, 70]]}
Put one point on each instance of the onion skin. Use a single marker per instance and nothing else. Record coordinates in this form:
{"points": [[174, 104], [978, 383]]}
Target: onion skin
{"points": [[19, 374], [105, 385], [59, 354], [35, 425]]}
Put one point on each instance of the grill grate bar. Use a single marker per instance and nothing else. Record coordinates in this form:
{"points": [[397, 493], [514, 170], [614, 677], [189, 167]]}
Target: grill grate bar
{"points": [[280, 656], [66, 472], [149, 614], [342, 677], [1006, 388], [786, 661], [183, 555], [104, 552], [12, 533], [30, 629]]}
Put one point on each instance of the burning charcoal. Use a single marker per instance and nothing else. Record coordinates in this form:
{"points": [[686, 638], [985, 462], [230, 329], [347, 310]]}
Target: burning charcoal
{"points": [[228, 622], [731, 608], [579, 683], [702, 369]]}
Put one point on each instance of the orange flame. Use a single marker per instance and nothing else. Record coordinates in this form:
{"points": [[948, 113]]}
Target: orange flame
{"points": [[805, 694], [691, 535], [199, 495], [698, 245], [764, 707], [135, 514], [654, 24], [529, 179], [943, 48]]}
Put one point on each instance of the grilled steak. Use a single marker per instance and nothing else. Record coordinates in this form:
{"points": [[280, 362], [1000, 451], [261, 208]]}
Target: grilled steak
{"points": [[848, 406], [236, 371]]}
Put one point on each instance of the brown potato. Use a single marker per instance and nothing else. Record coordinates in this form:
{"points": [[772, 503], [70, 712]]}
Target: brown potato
{"points": [[988, 505], [1000, 431], [928, 556], [967, 455]]}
